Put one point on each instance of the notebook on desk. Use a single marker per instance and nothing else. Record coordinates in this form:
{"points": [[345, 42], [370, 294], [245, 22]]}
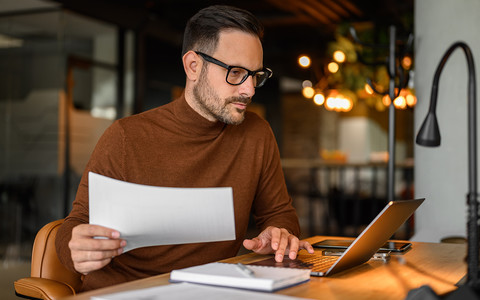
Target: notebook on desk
{"points": [[379, 231]]}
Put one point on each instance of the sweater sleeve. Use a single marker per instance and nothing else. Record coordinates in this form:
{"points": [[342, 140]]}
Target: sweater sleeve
{"points": [[106, 159], [272, 205]]}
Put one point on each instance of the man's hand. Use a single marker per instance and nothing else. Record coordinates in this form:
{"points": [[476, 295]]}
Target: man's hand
{"points": [[277, 240], [90, 254]]}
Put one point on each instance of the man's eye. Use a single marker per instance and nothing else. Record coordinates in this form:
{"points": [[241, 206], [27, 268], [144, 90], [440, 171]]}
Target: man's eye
{"points": [[236, 72]]}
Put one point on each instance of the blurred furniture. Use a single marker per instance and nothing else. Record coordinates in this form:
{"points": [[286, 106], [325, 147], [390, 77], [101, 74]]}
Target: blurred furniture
{"points": [[49, 278], [351, 194]]}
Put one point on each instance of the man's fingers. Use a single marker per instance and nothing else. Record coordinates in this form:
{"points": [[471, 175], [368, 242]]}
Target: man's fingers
{"points": [[282, 244], [276, 234], [93, 246], [249, 244], [87, 267], [88, 261], [87, 237], [278, 241], [294, 244], [88, 230], [93, 256], [253, 244], [306, 246]]}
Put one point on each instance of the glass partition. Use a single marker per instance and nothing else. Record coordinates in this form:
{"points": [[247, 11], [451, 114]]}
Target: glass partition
{"points": [[58, 93]]}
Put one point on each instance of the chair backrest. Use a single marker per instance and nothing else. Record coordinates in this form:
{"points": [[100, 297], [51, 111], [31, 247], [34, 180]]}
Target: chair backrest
{"points": [[45, 262]]}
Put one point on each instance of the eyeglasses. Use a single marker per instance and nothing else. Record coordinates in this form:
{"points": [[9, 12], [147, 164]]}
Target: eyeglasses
{"points": [[237, 75]]}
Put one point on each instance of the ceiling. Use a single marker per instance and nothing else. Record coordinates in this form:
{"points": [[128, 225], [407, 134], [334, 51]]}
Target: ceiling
{"points": [[292, 27]]}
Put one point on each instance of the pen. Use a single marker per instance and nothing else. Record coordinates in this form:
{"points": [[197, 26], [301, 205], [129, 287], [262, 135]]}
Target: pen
{"points": [[245, 270]]}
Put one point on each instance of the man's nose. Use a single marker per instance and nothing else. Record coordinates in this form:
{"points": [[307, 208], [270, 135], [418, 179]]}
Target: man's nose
{"points": [[247, 88]]}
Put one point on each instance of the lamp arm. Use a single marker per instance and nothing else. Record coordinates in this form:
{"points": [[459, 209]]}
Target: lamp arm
{"points": [[438, 71], [471, 105], [472, 223]]}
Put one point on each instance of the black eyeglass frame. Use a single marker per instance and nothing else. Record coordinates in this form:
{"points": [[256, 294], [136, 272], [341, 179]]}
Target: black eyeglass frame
{"points": [[212, 60]]}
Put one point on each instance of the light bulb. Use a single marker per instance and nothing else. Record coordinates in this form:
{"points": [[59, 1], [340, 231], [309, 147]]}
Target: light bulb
{"points": [[339, 56], [304, 61]]}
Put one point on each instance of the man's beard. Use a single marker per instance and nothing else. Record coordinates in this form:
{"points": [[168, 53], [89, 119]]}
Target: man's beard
{"points": [[211, 104]]}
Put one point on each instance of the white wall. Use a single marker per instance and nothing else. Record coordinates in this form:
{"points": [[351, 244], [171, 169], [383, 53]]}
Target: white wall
{"points": [[441, 173], [354, 138], [358, 137]]}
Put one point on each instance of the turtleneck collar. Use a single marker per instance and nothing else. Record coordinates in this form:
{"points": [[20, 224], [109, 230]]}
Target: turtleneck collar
{"points": [[193, 120]]}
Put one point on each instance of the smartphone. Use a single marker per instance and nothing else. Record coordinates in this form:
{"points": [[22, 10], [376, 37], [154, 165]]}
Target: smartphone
{"points": [[394, 246], [380, 255]]}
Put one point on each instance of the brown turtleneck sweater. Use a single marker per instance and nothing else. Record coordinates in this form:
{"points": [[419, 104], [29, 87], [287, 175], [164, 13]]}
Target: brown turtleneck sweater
{"points": [[173, 146]]}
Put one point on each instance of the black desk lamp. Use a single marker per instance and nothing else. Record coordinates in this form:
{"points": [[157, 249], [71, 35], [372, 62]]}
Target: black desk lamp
{"points": [[429, 135]]}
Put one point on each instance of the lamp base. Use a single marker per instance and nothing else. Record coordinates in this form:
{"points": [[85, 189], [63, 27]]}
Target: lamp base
{"points": [[422, 293], [464, 292]]}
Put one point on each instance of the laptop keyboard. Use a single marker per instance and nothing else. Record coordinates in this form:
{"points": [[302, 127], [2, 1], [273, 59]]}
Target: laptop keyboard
{"points": [[317, 263]]}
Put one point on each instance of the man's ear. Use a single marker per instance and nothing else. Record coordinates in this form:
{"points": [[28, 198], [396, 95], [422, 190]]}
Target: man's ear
{"points": [[192, 65]]}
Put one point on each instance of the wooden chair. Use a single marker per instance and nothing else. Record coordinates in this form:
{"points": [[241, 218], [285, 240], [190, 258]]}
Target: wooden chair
{"points": [[49, 278]]}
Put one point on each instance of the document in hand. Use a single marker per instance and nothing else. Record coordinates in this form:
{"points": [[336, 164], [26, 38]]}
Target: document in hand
{"points": [[151, 215], [230, 275]]}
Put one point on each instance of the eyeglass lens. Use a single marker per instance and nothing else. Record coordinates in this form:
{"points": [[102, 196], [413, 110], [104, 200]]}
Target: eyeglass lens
{"points": [[238, 75]]}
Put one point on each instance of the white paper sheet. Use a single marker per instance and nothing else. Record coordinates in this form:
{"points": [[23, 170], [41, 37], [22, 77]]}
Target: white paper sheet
{"points": [[149, 215], [182, 291]]}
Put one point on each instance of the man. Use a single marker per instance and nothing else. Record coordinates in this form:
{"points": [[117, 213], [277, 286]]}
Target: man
{"points": [[206, 138]]}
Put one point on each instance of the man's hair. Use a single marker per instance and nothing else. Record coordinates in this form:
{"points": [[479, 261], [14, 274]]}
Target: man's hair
{"points": [[202, 30]]}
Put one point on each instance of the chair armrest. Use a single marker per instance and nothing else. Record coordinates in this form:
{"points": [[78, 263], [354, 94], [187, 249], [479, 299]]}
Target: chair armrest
{"points": [[42, 288]]}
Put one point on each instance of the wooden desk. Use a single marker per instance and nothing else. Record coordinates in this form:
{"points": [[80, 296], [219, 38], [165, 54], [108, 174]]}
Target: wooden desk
{"points": [[440, 266]]}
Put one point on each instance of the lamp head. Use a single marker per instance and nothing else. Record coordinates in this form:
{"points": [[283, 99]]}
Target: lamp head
{"points": [[429, 134]]}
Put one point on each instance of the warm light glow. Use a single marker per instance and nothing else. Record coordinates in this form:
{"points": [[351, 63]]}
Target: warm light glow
{"points": [[411, 100], [386, 100], [333, 67], [347, 104], [307, 83], [338, 102], [339, 56], [407, 62], [379, 106], [400, 102], [304, 61], [319, 99], [404, 100], [368, 89], [308, 92], [330, 103]]}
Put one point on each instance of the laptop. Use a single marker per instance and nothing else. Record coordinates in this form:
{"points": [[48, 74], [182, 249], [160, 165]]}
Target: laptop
{"points": [[377, 233]]}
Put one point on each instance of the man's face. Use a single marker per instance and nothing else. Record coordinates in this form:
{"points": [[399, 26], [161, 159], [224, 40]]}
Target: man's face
{"points": [[216, 98]]}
